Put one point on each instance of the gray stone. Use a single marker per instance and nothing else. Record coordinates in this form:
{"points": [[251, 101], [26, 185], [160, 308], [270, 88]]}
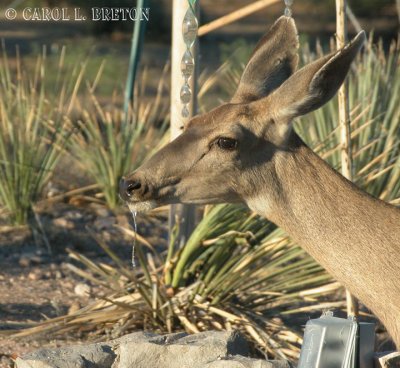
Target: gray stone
{"points": [[73, 215], [212, 349], [79, 356], [239, 361], [147, 337], [103, 223], [191, 351]]}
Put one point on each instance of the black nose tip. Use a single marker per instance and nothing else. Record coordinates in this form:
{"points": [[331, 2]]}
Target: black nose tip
{"points": [[128, 187], [132, 186]]}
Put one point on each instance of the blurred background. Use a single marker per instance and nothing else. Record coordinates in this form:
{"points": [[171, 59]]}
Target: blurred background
{"points": [[110, 41]]}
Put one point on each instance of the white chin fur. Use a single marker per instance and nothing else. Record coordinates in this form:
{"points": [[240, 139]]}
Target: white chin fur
{"points": [[142, 206]]}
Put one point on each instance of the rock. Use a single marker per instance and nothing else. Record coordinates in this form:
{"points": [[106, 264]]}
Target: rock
{"points": [[82, 289], [93, 355], [73, 215], [212, 349], [38, 259], [102, 223], [29, 259], [238, 361], [24, 261], [100, 210], [64, 223], [191, 351], [35, 275]]}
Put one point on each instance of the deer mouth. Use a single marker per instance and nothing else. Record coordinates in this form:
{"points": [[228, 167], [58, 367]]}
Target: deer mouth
{"points": [[140, 195], [141, 206]]}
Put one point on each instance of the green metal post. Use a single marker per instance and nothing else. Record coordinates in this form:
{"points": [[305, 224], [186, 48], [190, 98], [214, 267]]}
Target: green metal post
{"points": [[137, 42]]}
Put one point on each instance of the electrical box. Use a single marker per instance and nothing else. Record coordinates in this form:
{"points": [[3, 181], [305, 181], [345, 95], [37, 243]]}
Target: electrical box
{"points": [[331, 342]]}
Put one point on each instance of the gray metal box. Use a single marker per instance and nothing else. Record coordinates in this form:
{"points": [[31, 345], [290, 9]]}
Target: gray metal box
{"points": [[331, 342]]}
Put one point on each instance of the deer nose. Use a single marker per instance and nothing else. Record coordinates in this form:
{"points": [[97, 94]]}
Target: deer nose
{"points": [[127, 188]]}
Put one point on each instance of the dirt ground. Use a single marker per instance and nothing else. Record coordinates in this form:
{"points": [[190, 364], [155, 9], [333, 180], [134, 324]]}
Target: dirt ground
{"points": [[33, 293], [36, 282]]}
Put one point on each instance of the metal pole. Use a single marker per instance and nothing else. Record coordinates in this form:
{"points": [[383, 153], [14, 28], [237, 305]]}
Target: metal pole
{"points": [[181, 215], [344, 124], [136, 47]]}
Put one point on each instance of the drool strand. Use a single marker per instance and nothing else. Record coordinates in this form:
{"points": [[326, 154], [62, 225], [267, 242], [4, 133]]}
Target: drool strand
{"points": [[134, 213]]}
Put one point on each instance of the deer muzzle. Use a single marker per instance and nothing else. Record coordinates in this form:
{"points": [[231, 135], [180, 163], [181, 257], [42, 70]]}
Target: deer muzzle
{"points": [[131, 189]]}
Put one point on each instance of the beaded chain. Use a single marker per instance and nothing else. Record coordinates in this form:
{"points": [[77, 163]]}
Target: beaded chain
{"points": [[288, 10], [189, 33]]}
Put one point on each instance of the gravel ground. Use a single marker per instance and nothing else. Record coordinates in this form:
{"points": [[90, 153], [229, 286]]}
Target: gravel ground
{"points": [[35, 285]]}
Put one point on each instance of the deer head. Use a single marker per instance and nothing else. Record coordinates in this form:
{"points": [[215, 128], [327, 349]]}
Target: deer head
{"points": [[231, 153]]}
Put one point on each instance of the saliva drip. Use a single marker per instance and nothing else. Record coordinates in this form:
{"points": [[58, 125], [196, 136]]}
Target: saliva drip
{"points": [[134, 213]]}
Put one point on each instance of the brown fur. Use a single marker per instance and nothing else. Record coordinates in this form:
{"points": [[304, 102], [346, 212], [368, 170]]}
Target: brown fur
{"points": [[354, 236]]}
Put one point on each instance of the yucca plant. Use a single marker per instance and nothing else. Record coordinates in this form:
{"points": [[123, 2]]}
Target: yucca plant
{"points": [[109, 144], [31, 132], [232, 274], [375, 114]]}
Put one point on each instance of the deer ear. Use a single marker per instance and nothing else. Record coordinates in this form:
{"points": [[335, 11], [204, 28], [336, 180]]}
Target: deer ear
{"points": [[315, 84], [273, 61]]}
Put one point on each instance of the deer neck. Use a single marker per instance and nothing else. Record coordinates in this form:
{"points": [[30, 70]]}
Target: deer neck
{"points": [[354, 236]]}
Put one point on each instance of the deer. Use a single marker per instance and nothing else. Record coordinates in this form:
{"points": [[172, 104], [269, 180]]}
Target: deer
{"points": [[247, 151]]}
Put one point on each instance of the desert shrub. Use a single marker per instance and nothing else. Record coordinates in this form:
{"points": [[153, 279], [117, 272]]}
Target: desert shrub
{"points": [[32, 134], [109, 143]]}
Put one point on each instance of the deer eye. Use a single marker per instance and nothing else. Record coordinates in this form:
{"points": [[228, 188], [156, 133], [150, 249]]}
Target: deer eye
{"points": [[227, 144]]}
